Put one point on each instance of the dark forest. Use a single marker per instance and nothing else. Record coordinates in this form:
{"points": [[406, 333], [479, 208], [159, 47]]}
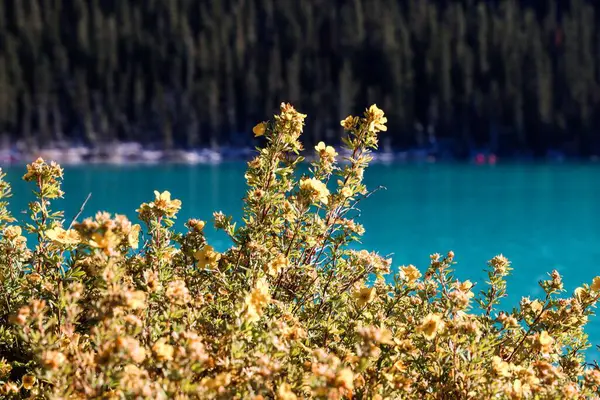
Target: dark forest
{"points": [[512, 77]]}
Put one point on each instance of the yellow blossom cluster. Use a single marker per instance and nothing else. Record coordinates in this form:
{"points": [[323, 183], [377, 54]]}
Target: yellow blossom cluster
{"points": [[162, 206], [105, 308], [315, 190], [277, 265], [67, 237], [256, 301], [207, 257]]}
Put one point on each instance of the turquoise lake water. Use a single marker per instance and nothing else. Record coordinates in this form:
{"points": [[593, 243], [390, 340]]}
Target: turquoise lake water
{"points": [[542, 217]]}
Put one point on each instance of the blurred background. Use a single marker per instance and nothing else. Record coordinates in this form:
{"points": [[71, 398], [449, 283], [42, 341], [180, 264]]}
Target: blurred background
{"points": [[456, 77], [494, 130]]}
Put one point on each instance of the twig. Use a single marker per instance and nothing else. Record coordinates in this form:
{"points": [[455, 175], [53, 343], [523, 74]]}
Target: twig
{"points": [[80, 210], [535, 321]]}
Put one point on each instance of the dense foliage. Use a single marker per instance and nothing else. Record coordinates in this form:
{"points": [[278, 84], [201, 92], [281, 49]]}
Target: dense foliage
{"points": [[194, 73], [288, 311]]}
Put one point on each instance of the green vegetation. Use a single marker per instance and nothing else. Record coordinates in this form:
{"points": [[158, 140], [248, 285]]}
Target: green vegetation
{"points": [[196, 73], [288, 311]]}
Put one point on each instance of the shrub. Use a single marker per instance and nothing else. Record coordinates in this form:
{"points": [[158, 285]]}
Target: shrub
{"points": [[288, 311]]}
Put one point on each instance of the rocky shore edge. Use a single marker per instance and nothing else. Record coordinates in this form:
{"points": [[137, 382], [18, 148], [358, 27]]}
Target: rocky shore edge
{"points": [[136, 153]]}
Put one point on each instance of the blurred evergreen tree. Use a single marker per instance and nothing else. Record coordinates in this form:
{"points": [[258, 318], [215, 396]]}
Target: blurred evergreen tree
{"points": [[505, 74]]}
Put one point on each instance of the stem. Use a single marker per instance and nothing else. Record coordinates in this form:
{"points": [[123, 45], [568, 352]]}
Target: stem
{"points": [[43, 209], [329, 221], [274, 161], [488, 309], [59, 306], [80, 210], [535, 321]]}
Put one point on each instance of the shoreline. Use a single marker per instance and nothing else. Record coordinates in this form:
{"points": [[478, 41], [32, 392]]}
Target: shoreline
{"points": [[136, 154]]}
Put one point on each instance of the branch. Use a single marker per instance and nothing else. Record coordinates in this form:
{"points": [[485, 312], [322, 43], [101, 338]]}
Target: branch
{"points": [[80, 210]]}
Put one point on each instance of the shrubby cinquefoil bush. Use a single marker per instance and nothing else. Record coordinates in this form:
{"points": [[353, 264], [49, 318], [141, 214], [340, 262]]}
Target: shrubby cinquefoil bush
{"points": [[106, 308]]}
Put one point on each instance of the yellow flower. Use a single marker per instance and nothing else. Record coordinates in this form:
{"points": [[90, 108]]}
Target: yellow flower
{"points": [[285, 392], [133, 321], [162, 201], [536, 306], [220, 381], [580, 294], [131, 348], [9, 387], [432, 324], [133, 379], [375, 334], [207, 257], [163, 350], [133, 238], [544, 342], [346, 191], [53, 359], [592, 376], [259, 129], [289, 113], [28, 381], [152, 281], [459, 298], [62, 236], [511, 322], [177, 292], [106, 242], [135, 300], [5, 368], [316, 189], [256, 300], [517, 390], [570, 391], [34, 169], [501, 367], [500, 264], [376, 119], [345, 379], [596, 284], [462, 294], [22, 316], [464, 286], [326, 152], [277, 265], [12, 231], [411, 273], [364, 296], [349, 122]]}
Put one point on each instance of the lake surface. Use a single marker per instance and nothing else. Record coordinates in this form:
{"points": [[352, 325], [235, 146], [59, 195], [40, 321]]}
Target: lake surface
{"points": [[542, 217]]}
